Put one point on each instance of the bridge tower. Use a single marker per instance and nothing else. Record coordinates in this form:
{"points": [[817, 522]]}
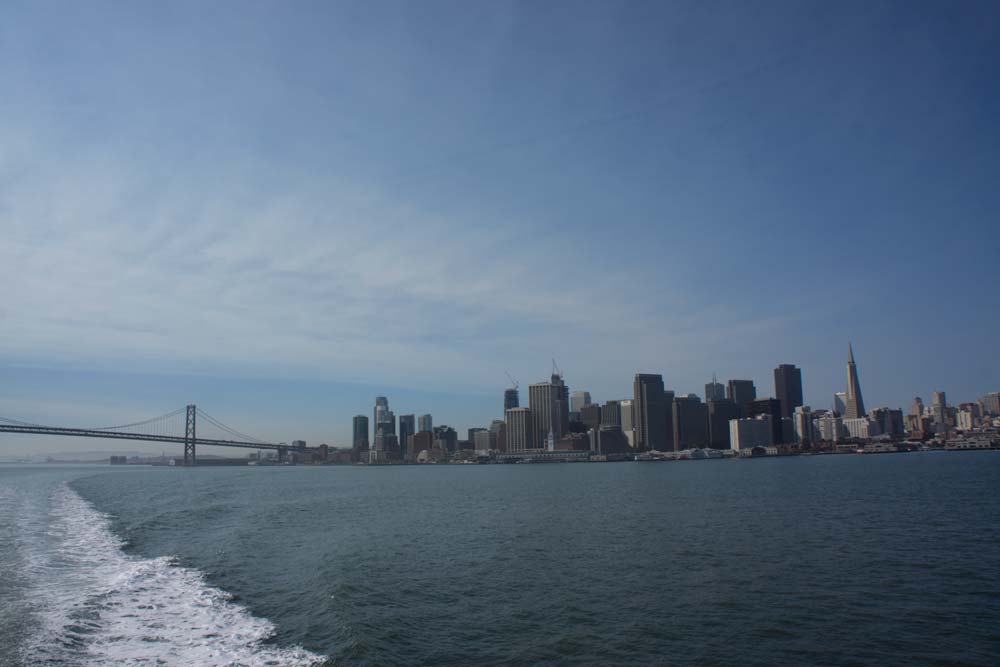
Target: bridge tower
{"points": [[189, 436]]}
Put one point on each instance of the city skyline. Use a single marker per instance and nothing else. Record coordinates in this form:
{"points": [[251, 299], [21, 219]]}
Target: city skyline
{"points": [[748, 386], [281, 224]]}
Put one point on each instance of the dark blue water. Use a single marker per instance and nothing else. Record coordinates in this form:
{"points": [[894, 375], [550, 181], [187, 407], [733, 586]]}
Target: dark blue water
{"points": [[833, 560]]}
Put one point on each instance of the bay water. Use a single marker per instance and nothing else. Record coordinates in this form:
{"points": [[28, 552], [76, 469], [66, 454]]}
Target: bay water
{"points": [[813, 560]]}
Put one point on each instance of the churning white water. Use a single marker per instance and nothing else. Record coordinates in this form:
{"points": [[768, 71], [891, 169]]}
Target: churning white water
{"points": [[93, 604]]}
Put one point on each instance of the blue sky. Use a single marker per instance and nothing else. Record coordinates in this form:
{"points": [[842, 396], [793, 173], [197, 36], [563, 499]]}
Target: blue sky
{"points": [[279, 210]]}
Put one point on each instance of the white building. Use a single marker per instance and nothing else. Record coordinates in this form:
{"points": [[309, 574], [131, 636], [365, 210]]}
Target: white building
{"points": [[425, 423], [840, 402], [802, 419], [861, 428], [966, 421], [519, 430], [578, 399], [746, 434], [828, 428], [627, 425], [484, 442]]}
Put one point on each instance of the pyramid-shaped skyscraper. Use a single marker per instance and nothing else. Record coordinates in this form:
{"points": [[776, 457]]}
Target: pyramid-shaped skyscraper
{"points": [[855, 405]]}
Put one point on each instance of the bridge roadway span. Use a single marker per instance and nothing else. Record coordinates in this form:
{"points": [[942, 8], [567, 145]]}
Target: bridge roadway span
{"points": [[189, 439], [87, 433]]}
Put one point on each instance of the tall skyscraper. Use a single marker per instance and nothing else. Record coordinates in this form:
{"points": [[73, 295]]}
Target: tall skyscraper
{"points": [[446, 438], [628, 420], [385, 422], [360, 440], [939, 410], [425, 423], [520, 434], [741, 392], [690, 422], [802, 425], [510, 399], [577, 400], [562, 400], [939, 406], [918, 407], [611, 414], [719, 415], [772, 408], [591, 416], [549, 410], [649, 409], [714, 391], [854, 405], [484, 441], [378, 414], [840, 403], [384, 429], [668, 405], [407, 427], [387, 426], [890, 422], [499, 431], [788, 388]]}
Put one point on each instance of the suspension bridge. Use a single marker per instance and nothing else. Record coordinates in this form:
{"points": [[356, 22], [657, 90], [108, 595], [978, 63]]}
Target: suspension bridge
{"points": [[179, 426]]}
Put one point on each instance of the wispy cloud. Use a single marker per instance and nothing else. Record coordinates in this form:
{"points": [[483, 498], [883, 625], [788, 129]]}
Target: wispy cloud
{"points": [[113, 261]]}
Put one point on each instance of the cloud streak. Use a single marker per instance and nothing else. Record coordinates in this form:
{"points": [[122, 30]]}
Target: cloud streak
{"points": [[110, 263]]}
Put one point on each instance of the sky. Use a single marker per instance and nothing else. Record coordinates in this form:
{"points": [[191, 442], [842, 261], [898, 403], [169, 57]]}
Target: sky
{"points": [[279, 210]]}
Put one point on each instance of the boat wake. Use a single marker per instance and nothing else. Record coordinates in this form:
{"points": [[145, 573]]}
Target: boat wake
{"points": [[98, 605]]}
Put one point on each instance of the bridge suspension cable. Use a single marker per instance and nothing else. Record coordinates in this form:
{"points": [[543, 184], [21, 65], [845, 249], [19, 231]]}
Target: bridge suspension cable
{"points": [[177, 426], [218, 424], [144, 422], [17, 422]]}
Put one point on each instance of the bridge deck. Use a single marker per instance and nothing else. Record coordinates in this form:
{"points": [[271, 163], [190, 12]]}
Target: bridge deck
{"points": [[116, 435]]}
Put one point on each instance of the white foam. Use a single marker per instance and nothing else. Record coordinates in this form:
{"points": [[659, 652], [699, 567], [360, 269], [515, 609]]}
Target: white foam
{"points": [[101, 606]]}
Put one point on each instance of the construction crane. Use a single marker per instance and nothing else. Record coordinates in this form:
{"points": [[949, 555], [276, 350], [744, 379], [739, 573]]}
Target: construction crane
{"points": [[512, 380]]}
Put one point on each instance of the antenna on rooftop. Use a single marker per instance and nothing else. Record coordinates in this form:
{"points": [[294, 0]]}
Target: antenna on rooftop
{"points": [[555, 369]]}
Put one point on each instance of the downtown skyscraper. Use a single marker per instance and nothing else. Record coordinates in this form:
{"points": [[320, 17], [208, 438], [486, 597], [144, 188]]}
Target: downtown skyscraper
{"points": [[519, 429], [425, 424], [788, 388], [742, 393], [714, 390], [510, 399], [577, 400], [854, 405], [549, 406], [407, 427], [360, 440], [649, 409], [384, 420]]}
